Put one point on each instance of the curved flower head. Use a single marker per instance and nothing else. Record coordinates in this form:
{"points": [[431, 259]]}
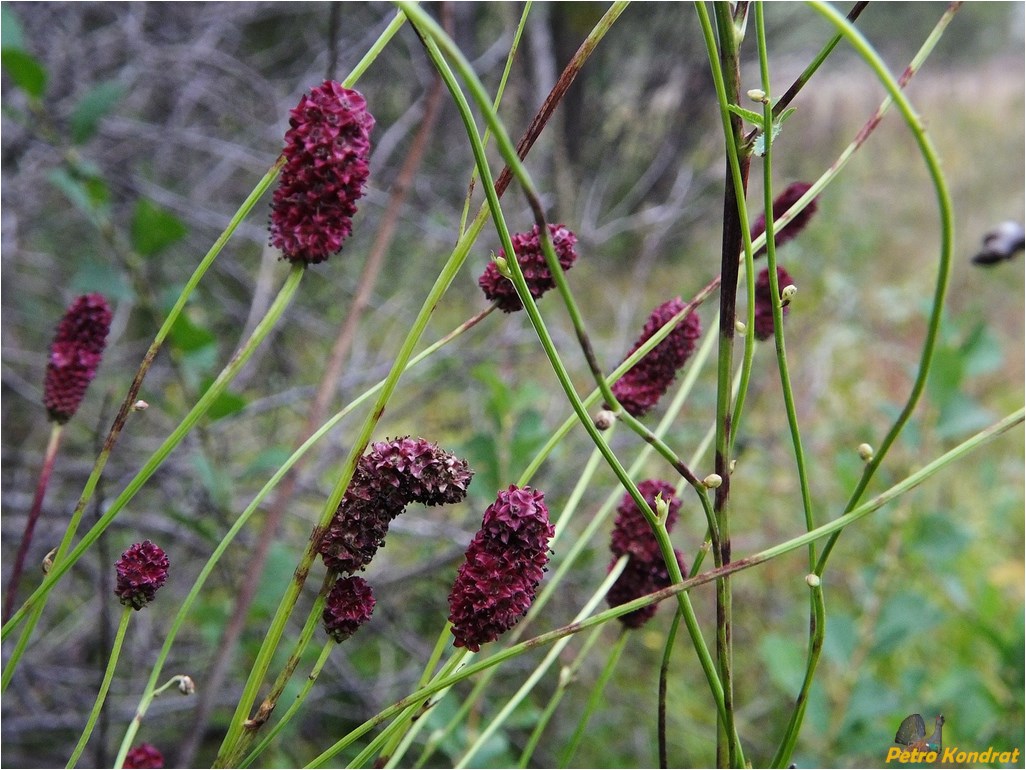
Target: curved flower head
{"points": [[326, 167], [645, 383], [504, 563], [781, 204], [141, 570], [348, 606], [75, 355], [420, 470], [529, 253], [390, 476], [145, 755], [640, 577], [764, 302], [632, 534]]}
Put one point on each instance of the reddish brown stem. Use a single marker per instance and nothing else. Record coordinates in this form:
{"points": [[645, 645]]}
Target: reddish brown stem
{"points": [[33, 517]]}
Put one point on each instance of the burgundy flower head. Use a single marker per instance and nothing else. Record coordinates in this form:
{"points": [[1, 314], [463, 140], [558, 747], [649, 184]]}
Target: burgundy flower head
{"points": [[420, 471], [349, 605], [639, 578], [764, 302], [641, 388], [529, 253], [632, 534], [781, 204], [326, 153], [142, 569], [387, 478], [505, 561], [144, 755], [75, 354]]}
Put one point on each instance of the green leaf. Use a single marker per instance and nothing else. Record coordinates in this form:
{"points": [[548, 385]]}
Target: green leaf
{"points": [[760, 141], [755, 118], [88, 193], [25, 70], [982, 351], [187, 336], [92, 108], [228, 403], [12, 35], [154, 229]]}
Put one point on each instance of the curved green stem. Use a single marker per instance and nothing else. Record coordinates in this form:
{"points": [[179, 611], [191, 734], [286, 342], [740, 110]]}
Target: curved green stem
{"points": [[913, 480], [206, 400], [101, 696]]}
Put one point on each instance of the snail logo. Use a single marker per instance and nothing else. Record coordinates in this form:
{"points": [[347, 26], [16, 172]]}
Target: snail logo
{"points": [[912, 733]]}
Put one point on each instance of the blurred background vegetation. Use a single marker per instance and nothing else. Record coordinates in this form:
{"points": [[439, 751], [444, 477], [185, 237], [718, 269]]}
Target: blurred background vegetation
{"points": [[165, 116]]}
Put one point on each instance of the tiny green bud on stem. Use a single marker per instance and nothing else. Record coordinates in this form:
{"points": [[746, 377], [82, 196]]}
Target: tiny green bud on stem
{"points": [[739, 327], [787, 293], [712, 481], [865, 452], [812, 579], [758, 95]]}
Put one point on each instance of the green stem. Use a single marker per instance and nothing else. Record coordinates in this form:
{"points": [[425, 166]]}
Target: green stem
{"points": [[539, 671], [37, 600], [566, 678], [296, 704], [434, 37], [738, 565], [664, 672], [195, 414], [894, 88], [595, 698], [101, 696]]}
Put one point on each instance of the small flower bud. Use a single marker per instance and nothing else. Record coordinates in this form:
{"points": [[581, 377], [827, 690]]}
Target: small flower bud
{"points": [[812, 579], [604, 419], [141, 570], [787, 294], [502, 266], [47, 564], [185, 685], [140, 406], [733, 465], [739, 326], [712, 481], [757, 95], [764, 301], [662, 508], [865, 452], [348, 606]]}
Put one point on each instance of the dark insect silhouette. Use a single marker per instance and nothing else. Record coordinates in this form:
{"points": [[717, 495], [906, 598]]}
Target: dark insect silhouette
{"points": [[1002, 243]]}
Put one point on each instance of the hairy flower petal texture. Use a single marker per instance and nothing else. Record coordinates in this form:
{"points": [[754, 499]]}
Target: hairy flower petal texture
{"points": [[141, 570], [645, 383], [504, 564], [781, 204], [75, 355], [390, 476], [532, 262], [764, 302], [145, 755], [348, 606], [327, 149]]}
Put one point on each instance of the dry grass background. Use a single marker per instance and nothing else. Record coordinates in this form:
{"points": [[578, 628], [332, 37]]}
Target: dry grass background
{"points": [[925, 599]]}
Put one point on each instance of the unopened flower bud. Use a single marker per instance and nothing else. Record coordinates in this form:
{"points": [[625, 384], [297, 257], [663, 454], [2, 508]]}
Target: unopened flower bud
{"points": [[185, 685], [712, 481], [739, 326], [604, 419], [140, 405], [787, 294], [47, 564], [865, 452], [757, 95], [812, 579]]}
